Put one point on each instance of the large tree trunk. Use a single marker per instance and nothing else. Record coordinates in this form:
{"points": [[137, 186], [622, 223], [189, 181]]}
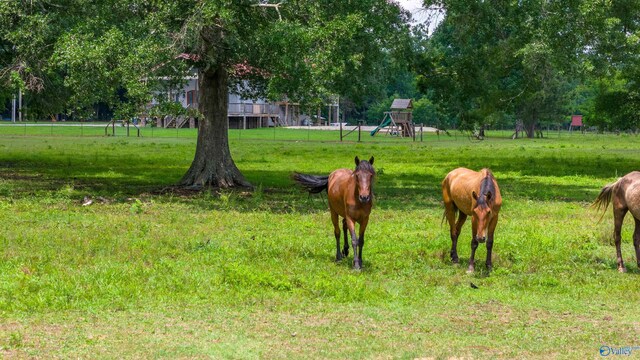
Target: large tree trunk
{"points": [[213, 165], [530, 126]]}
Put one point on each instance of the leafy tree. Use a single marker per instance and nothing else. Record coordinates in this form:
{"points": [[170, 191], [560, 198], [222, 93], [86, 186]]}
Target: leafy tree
{"points": [[424, 112], [375, 112], [116, 51], [509, 57], [614, 61], [616, 105]]}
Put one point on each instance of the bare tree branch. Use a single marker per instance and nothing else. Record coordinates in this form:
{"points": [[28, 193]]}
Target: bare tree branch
{"points": [[275, 6]]}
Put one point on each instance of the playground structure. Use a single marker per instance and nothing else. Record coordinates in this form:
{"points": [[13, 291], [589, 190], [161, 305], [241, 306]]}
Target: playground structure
{"points": [[398, 121]]}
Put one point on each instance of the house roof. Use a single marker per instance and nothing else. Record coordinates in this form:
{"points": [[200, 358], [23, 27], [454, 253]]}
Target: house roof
{"points": [[401, 104]]}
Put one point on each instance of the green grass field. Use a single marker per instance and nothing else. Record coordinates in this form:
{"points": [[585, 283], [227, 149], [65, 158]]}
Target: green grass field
{"points": [[143, 273]]}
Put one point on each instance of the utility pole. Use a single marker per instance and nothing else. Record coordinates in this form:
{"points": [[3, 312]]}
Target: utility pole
{"points": [[20, 105], [338, 109], [13, 109]]}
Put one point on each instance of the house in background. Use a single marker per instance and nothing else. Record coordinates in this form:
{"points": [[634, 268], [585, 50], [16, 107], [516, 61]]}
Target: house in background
{"points": [[243, 113]]}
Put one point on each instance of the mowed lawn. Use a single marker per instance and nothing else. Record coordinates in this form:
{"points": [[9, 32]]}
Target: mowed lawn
{"points": [[147, 272]]}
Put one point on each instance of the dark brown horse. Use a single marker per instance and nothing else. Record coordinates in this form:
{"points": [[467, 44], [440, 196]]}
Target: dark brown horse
{"points": [[476, 194], [625, 194], [350, 197]]}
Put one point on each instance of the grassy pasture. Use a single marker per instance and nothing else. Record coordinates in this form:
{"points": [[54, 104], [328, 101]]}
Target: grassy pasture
{"points": [[145, 274]]}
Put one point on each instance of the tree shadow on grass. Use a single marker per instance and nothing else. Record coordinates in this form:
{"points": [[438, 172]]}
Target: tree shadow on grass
{"points": [[277, 193], [410, 190]]}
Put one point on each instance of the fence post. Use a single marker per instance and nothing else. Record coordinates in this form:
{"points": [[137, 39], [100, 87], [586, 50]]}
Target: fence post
{"points": [[340, 131], [421, 125], [359, 130]]}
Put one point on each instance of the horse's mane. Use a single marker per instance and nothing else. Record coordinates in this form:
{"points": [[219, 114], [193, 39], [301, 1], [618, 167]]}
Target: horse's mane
{"points": [[364, 165], [487, 185]]}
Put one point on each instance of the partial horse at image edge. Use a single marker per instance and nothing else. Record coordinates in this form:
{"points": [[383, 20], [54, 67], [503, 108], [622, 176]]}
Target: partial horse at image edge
{"points": [[471, 193], [350, 197], [625, 196]]}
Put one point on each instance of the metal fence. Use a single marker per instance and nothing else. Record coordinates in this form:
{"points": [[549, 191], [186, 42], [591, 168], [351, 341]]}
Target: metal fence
{"points": [[349, 133]]}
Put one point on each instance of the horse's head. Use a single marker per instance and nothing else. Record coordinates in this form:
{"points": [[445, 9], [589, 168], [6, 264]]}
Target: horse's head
{"points": [[364, 175], [481, 215]]}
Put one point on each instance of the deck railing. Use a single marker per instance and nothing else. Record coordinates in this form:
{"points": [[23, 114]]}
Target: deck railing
{"points": [[249, 109]]}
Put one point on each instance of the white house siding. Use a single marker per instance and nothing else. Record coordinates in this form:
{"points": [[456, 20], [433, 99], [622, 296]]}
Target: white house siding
{"points": [[242, 112]]}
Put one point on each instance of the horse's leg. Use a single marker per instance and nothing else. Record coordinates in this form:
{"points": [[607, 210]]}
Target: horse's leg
{"points": [[618, 218], [474, 246], [336, 232], [354, 243], [636, 240], [454, 229], [462, 217], [492, 229], [363, 227], [345, 249]]}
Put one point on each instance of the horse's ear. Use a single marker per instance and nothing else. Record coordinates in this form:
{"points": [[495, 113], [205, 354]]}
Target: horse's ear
{"points": [[357, 161], [488, 195], [475, 196], [371, 161]]}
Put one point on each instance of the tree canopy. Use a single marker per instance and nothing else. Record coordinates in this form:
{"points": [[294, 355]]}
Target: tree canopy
{"points": [[487, 62], [522, 57], [117, 51]]}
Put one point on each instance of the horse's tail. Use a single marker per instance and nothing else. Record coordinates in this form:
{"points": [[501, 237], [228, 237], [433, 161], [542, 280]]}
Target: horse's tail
{"points": [[604, 198], [312, 183], [444, 214]]}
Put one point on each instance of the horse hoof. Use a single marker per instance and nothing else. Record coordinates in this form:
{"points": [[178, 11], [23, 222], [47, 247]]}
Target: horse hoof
{"points": [[622, 269], [489, 268], [471, 270]]}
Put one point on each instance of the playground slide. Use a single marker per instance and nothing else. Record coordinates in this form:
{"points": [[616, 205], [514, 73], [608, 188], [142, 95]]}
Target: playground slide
{"points": [[387, 122]]}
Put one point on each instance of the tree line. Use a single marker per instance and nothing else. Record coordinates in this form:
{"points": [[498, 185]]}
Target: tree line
{"points": [[499, 63], [484, 63]]}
